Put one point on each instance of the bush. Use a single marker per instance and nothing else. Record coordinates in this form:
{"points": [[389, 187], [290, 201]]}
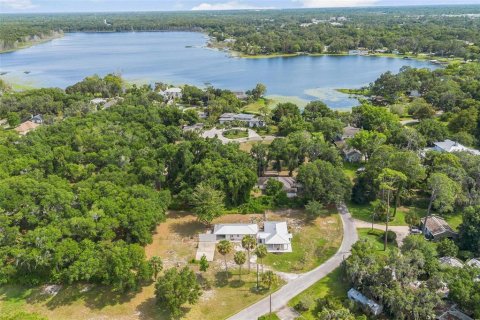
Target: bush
{"points": [[391, 236], [305, 304], [256, 205]]}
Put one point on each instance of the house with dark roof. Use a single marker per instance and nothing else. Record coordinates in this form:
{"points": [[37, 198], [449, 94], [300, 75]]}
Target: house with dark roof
{"points": [[436, 228], [349, 132]]}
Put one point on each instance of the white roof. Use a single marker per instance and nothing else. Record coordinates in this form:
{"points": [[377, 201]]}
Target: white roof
{"points": [[235, 228], [359, 297], [173, 90], [275, 233], [453, 146], [474, 263], [451, 261], [98, 100]]}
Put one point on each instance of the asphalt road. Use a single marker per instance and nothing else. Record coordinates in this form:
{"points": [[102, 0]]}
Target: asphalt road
{"points": [[281, 297]]}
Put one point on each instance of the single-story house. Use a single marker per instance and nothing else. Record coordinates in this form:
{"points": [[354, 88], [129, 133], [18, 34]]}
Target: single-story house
{"points": [[26, 127], [357, 296], [358, 52], [172, 93], [474, 263], [97, 101], [352, 155], [38, 119], [234, 231], [349, 132], [451, 262], [240, 95], [452, 146], [202, 114], [195, 127], [436, 228], [249, 119], [289, 184], [275, 237], [453, 314]]}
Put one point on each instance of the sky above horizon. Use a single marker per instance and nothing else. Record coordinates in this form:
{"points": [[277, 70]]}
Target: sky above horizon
{"points": [[24, 6]]}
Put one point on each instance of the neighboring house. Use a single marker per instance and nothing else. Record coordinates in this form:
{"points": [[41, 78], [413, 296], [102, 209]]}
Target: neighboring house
{"points": [[358, 52], [275, 237], [172, 93], [453, 314], [98, 101], [234, 231], [195, 127], [474, 263], [289, 184], [249, 119], [451, 262], [26, 127], [240, 95], [202, 115], [357, 296], [352, 155], [38, 119], [437, 228], [414, 94], [349, 132], [452, 146]]}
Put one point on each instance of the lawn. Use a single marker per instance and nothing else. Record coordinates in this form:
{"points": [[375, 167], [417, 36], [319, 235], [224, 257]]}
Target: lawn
{"points": [[375, 236], [350, 169], [255, 107], [364, 212], [312, 244], [271, 316], [235, 133], [334, 285], [247, 146]]}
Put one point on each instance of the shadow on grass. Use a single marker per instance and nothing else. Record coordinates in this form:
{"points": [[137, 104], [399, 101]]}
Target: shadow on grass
{"points": [[94, 297], [237, 283], [149, 310], [188, 228], [221, 279]]}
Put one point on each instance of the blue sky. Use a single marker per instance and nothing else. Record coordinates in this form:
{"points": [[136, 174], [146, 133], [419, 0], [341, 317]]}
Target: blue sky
{"points": [[14, 6]]}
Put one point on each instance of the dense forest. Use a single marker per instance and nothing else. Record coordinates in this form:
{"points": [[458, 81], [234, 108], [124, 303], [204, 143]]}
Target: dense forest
{"points": [[440, 31]]}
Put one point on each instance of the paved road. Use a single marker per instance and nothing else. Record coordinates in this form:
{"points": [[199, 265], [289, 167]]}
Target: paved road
{"points": [[281, 297]]}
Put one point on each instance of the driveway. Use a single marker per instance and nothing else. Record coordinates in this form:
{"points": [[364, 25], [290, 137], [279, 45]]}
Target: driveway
{"points": [[252, 136], [401, 231], [294, 287]]}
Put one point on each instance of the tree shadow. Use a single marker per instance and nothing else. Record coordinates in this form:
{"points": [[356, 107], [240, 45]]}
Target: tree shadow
{"points": [[149, 310], [188, 228], [221, 279], [237, 283]]}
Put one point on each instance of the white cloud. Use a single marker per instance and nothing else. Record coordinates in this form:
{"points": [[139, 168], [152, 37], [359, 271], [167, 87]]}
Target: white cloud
{"points": [[232, 5], [336, 3], [17, 4]]}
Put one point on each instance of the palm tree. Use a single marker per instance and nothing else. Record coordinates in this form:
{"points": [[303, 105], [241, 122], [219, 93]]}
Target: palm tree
{"points": [[157, 265], [261, 252], [239, 259], [224, 247], [269, 279], [249, 243]]}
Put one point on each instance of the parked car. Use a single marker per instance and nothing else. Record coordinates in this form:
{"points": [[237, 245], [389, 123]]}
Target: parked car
{"points": [[414, 230]]}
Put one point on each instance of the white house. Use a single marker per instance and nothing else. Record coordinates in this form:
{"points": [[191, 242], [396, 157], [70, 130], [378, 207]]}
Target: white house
{"points": [[357, 296], [234, 231], [249, 119], [474, 263], [451, 262], [275, 237], [172, 93], [453, 146]]}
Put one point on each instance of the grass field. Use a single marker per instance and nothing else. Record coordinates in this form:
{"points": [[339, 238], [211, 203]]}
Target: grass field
{"points": [[271, 316], [334, 285], [312, 245], [374, 236], [235, 134], [364, 213], [350, 169]]}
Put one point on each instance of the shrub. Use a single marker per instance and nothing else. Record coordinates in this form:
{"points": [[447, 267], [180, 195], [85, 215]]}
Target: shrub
{"points": [[391, 236]]}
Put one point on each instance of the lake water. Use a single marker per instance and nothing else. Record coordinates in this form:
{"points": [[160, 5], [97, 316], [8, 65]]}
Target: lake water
{"points": [[181, 58]]}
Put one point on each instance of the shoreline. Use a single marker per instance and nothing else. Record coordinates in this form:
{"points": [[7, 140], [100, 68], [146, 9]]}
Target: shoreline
{"points": [[28, 44]]}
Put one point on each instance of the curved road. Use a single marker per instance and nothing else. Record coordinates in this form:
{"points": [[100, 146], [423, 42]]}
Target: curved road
{"points": [[281, 297]]}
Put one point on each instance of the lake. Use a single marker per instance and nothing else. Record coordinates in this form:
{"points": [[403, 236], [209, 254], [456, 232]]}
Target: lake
{"points": [[182, 58]]}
